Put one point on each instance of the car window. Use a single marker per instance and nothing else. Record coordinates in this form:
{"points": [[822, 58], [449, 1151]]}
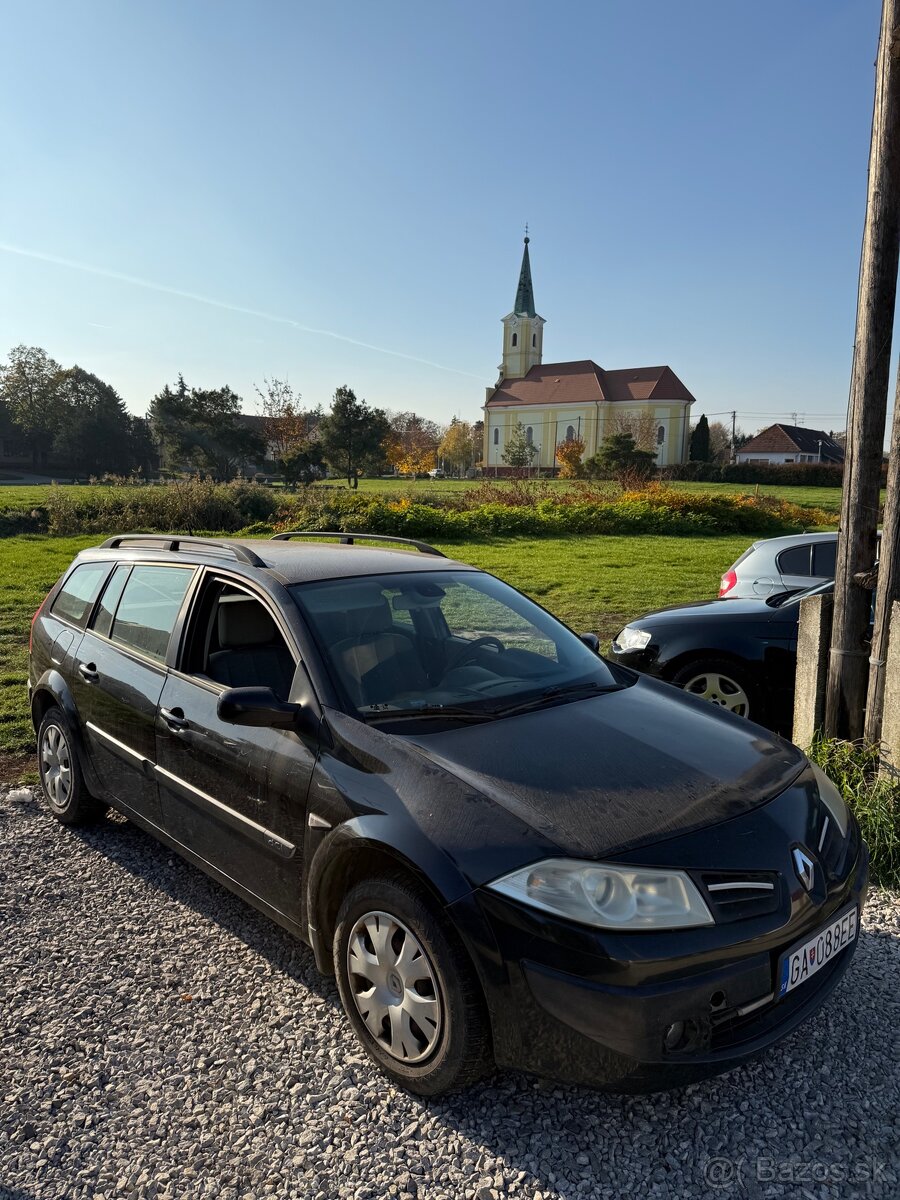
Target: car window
{"points": [[76, 599], [442, 639], [794, 561], [825, 559], [149, 606], [112, 593]]}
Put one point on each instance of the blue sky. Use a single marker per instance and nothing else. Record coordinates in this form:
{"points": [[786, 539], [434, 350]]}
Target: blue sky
{"points": [[693, 175]]}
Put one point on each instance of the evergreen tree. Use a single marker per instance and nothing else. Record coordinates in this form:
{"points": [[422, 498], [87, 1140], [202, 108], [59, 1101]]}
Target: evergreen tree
{"points": [[201, 429], [700, 449], [519, 451], [352, 435]]}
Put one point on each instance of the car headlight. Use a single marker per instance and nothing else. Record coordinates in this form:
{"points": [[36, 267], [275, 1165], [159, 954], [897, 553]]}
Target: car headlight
{"points": [[607, 896], [631, 638], [833, 800]]}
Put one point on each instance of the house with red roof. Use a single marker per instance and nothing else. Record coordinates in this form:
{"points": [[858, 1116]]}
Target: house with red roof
{"points": [[556, 402], [791, 444]]}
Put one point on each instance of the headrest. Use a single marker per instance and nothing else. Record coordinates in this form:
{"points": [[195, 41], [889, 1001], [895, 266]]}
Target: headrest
{"points": [[375, 618], [243, 622]]}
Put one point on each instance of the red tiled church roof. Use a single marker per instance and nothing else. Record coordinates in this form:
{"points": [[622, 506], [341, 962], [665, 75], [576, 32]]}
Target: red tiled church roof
{"points": [[583, 382]]}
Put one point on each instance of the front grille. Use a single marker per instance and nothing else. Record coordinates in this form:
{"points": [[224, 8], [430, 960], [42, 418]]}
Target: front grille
{"points": [[738, 895]]}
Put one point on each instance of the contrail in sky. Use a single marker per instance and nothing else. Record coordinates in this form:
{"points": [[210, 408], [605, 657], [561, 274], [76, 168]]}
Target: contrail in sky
{"points": [[210, 302]]}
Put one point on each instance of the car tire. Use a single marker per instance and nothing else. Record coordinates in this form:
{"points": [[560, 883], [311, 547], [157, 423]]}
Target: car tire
{"points": [[63, 782], [417, 1008], [724, 683]]}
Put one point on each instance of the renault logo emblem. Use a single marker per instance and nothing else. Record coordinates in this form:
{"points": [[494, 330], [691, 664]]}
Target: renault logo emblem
{"points": [[804, 866]]}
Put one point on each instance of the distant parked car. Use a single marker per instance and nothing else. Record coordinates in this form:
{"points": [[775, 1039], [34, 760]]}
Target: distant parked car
{"points": [[740, 655], [781, 564], [437, 473]]}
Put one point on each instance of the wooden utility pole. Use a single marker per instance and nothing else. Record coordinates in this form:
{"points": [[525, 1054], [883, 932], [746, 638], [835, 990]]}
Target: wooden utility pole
{"points": [[888, 590], [848, 664]]}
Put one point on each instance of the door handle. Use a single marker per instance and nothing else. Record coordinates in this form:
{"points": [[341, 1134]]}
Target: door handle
{"points": [[88, 672], [174, 718]]}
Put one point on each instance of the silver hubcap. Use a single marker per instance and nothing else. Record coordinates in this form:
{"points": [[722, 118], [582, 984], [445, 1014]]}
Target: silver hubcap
{"points": [[721, 690], [56, 766], [394, 986]]}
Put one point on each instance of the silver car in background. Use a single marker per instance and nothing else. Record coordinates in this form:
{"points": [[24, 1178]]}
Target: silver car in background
{"points": [[781, 564]]}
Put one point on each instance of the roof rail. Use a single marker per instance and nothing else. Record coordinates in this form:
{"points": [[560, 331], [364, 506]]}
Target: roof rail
{"points": [[347, 539], [242, 553]]}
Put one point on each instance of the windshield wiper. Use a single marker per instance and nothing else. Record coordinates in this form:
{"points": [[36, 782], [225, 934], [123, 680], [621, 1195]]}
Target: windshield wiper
{"points": [[559, 692], [454, 711]]}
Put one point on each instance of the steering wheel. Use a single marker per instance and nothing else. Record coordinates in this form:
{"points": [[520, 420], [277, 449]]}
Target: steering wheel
{"points": [[473, 647]]}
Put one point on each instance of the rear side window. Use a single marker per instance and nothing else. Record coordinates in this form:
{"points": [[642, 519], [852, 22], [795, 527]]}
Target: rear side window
{"points": [[112, 593], [794, 561], [825, 559], [149, 606], [75, 601]]}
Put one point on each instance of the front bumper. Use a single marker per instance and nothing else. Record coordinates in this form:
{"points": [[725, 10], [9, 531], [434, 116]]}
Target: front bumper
{"points": [[587, 1021]]}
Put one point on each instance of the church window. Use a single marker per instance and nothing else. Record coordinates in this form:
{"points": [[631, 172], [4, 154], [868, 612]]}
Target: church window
{"points": [[529, 435], [660, 435], [570, 433], [496, 437], [534, 339], [515, 340]]}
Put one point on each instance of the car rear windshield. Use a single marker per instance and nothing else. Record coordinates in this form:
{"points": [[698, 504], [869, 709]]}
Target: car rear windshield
{"points": [[441, 641], [76, 597]]}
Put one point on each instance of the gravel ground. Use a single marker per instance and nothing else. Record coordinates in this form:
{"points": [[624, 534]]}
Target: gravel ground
{"points": [[158, 1038]]}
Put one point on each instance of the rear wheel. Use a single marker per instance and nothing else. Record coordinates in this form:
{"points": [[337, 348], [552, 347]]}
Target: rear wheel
{"points": [[67, 795], [408, 989], [722, 683]]}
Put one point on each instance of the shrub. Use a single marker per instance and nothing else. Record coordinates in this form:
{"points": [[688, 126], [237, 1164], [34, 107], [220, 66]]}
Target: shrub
{"points": [[182, 505], [874, 801]]}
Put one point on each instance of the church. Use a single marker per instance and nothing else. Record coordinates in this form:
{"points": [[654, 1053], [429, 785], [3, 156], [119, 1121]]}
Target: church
{"points": [[557, 402]]}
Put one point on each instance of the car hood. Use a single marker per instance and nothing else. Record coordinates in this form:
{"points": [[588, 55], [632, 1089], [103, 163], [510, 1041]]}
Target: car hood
{"points": [[620, 770], [716, 610]]}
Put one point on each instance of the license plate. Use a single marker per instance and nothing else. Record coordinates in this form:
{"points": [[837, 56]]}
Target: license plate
{"points": [[802, 962]]}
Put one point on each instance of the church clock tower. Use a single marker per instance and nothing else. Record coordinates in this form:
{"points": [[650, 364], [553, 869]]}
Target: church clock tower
{"points": [[523, 329]]}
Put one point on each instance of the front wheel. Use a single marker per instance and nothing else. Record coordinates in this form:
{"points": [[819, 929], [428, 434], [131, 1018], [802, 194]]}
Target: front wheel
{"points": [[67, 795], [408, 989], [722, 683]]}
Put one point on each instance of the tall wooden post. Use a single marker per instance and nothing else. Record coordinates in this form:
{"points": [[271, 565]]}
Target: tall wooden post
{"points": [[848, 667]]}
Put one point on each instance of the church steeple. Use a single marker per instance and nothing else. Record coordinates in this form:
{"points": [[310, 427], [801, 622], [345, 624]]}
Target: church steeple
{"points": [[523, 329], [525, 291]]}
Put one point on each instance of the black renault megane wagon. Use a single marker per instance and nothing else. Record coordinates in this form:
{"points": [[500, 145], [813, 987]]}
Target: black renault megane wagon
{"points": [[508, 850]]}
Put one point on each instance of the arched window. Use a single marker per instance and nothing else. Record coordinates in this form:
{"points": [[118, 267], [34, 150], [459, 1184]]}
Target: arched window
{"points": [[660, 435], [529, 435], [534, 339], [515, 340], [570, 433], [496, 437]]}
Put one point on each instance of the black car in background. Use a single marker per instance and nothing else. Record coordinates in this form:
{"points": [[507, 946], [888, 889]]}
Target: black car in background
{"points": [[507, 849], [740, 655]]}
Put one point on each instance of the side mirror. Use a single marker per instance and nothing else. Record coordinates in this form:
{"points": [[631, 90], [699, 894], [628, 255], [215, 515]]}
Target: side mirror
{"points": [[591, 641], [259, 707]]}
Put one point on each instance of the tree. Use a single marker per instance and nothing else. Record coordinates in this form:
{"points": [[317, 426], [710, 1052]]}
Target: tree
{"points": [[700, 448], [286, 425], [28, 385], [519, 451], [201, 428], [641, 426], [456, 446], [412, 443], [719, 442], [569, 455], [619, 457], [302, 463], [94, 432], [351, 435], [477, 442]]}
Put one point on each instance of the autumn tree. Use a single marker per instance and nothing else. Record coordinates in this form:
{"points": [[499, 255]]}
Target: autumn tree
{"points": [[570, 455], [456, 446], [412, 442], [28, 386], [286, 425], [351, 435], [640, 426]]}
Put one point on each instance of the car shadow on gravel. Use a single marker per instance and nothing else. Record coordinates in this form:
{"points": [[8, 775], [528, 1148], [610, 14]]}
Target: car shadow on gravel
{"points": [[125, 844]]}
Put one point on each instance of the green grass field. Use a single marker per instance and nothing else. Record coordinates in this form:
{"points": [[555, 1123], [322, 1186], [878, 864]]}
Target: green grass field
{"points": [[592, 583]]}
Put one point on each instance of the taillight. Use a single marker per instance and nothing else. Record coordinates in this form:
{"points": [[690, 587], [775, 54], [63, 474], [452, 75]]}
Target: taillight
{"points": [[727, 582], [31, 630]]}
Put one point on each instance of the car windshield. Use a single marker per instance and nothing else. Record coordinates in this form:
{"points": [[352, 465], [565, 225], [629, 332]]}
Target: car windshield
{"points": [[788, 598], [454, 644]]}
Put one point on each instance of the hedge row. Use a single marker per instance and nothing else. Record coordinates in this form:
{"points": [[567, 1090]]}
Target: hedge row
{"points": [[789, 475]]}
